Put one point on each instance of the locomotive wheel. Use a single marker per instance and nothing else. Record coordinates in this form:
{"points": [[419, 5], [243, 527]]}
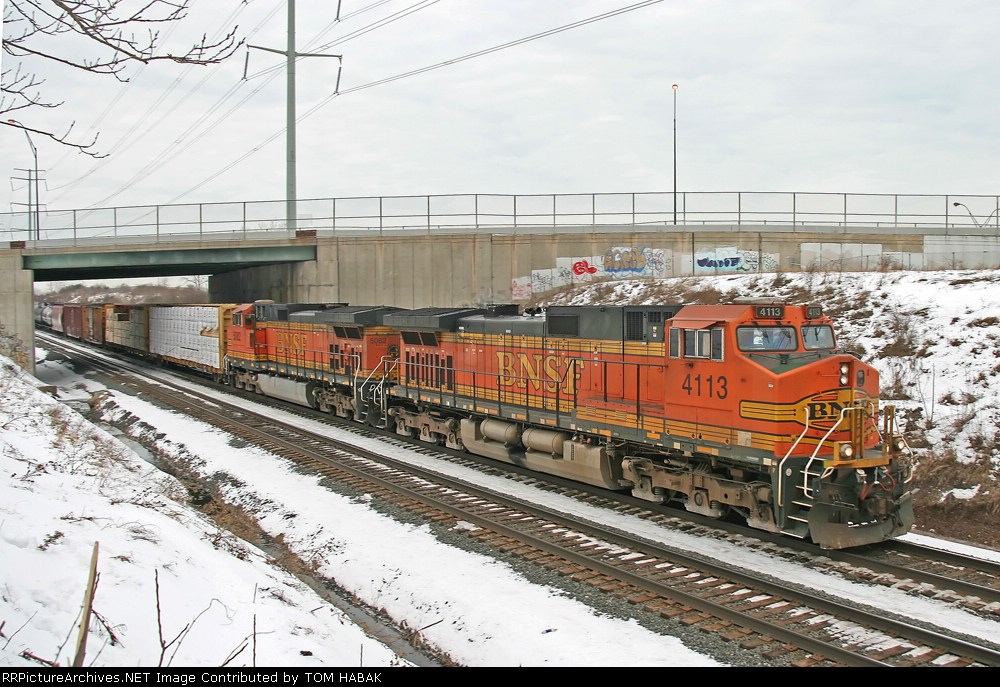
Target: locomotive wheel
{"points": [[408, 432]]}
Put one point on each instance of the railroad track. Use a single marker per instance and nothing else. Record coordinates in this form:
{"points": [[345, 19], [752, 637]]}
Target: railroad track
{"points": [[780, 622]]}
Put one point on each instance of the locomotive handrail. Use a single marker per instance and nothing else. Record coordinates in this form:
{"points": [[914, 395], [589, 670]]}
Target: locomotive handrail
{"points": [[371, 372], [570, 368], [342, 356], [356, 358], [781, 464], [359, 387], [517, 398], [890, 429], [819, 444], [380, 387], [873, 411]]}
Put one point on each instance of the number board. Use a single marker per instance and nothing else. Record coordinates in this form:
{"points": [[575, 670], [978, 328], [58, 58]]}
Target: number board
{"points": [[814, 312], [770, 311]]}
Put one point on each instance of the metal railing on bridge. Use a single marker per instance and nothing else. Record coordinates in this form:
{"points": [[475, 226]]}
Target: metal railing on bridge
{"points": [[967, 214]]}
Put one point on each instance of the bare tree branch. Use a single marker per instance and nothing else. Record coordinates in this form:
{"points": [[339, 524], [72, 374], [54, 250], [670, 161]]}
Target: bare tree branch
{"points": [[117, 32], [63, 139]]}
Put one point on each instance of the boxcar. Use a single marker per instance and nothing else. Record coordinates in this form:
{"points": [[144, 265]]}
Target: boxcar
{"points": [[126, 326], [190, 335], [93, 323], [72, 320]]}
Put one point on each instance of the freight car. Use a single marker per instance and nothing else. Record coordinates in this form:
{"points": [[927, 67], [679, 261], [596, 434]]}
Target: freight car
{"points": [[747, 409], [190, 335], [72, 320], [93, 324], [43, 315], [63, 318]]}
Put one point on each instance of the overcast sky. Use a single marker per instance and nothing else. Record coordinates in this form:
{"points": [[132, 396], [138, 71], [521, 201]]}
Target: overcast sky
{"points": [[836, 96]]}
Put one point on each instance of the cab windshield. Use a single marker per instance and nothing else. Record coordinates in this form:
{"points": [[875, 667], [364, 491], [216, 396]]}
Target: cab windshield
{"points": [[776, 338], [817, 337]]}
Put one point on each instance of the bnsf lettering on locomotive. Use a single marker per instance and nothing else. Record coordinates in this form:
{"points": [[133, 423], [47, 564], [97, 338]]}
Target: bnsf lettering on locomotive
{"points": [[291, 340], [540, 372], [824, 410]]}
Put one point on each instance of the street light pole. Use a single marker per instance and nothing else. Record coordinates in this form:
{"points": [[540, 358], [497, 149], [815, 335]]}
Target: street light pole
{"points": [[31, 214], [674, 87], [974, 220]]}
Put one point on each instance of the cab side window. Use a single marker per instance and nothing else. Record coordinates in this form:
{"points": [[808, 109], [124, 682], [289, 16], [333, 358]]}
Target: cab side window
{"points": [[697, 343]]}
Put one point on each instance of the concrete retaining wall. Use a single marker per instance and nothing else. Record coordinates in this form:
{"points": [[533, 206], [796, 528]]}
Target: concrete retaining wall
{"points": [[17, 308], [466, 269]]}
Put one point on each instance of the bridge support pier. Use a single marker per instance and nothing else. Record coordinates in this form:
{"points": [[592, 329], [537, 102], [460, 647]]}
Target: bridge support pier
{"points": [[17, 310]]}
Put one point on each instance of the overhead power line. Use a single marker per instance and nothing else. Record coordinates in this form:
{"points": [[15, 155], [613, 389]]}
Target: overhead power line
{"points": [[185, 141], [415, 72]]}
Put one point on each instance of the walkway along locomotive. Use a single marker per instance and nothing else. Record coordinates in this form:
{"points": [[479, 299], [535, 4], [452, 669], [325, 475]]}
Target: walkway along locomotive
{"points": [[747, 408]]}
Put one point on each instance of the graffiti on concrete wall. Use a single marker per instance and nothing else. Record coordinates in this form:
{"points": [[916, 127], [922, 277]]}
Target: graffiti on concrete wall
{"points": [[634, 262], [733, 259], [620, 262], [520, 288]]}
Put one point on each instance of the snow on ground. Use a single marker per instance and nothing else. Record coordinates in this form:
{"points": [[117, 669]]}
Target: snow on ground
{"points": [[167, 572], [67, 485], [166, 575]]}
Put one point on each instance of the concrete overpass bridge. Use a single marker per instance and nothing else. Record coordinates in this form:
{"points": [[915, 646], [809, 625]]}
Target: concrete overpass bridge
{"points": [[461, 250]]}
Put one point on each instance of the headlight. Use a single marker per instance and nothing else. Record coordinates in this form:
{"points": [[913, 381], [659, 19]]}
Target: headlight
{"points": [[898, 444], [845, 370], [846, 451]]}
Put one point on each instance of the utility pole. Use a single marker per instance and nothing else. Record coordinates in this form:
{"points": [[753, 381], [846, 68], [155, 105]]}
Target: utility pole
{"points": [[31, 211], [34, 203], [291, 209]]}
